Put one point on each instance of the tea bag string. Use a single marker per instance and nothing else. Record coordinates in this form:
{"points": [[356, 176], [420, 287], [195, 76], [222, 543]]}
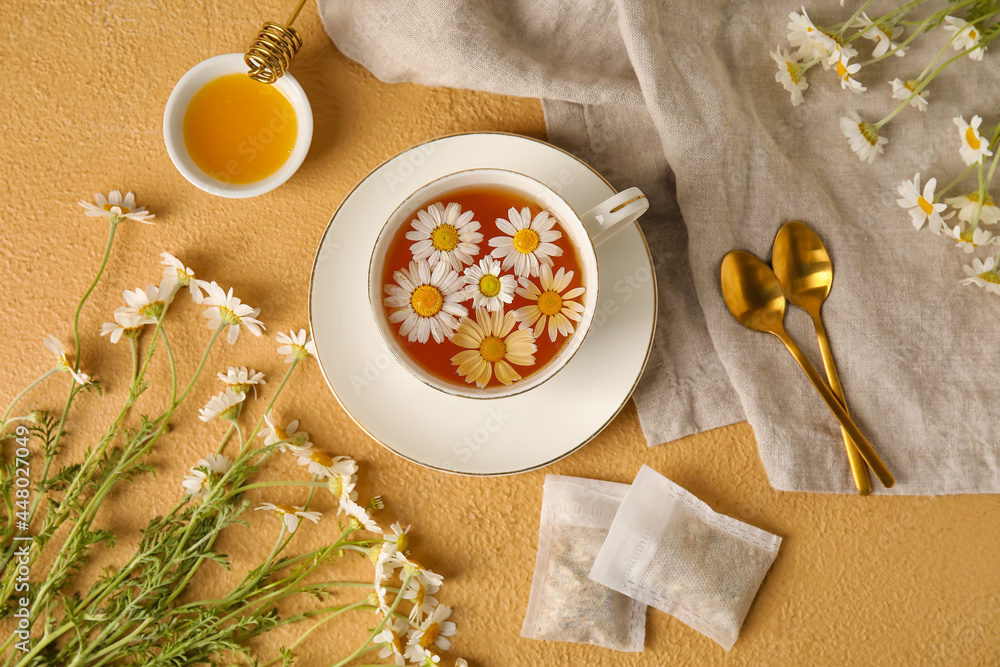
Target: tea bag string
{"points": [[272, 51]]}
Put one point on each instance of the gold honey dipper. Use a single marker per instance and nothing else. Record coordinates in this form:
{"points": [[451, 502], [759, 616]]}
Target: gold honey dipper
{"points": [[272, 51]]}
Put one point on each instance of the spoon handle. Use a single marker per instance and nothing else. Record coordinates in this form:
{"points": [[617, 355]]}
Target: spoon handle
{"points": [[869, 455], [858, 469]]}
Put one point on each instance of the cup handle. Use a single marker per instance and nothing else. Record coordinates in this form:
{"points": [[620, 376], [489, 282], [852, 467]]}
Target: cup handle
{"points": [[613, 214]]}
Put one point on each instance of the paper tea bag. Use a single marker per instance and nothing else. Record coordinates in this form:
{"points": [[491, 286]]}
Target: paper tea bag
{"points": [[669, 550], [565, 605]]}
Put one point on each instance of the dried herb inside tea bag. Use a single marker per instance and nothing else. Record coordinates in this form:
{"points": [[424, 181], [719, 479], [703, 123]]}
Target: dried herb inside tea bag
{"points": [[673, 552], [565, 605]]}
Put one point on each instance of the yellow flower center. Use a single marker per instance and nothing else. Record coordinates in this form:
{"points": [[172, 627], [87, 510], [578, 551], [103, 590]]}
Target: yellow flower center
{"points": [[972, 139], [321, 458], [968, 235], [402, 542], [427, 300], [183, 279], [549, 303], [430, 635], [444, 238], [124, 209], [284, 509], [869, 132], [842, 71], [489, 285], [418, 599], [925, 206], [336, 485], [492, 349], [526, 240], [229, 318], [973, 34], [794, 71], [990, 277]]}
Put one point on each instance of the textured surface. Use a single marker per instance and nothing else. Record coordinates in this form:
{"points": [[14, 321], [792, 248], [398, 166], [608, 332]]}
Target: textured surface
{"points": [[881, 580]]}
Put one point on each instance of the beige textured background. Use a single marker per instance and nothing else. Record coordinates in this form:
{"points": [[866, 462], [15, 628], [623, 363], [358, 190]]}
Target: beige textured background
{"points": [[885, 581]]}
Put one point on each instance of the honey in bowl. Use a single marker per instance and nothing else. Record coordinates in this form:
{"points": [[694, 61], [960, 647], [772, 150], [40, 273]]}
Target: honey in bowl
{"points": [[481, 287], [238, 130]]}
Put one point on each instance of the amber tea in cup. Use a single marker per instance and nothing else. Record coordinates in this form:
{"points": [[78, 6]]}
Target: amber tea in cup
{"points": [[484, 283]]}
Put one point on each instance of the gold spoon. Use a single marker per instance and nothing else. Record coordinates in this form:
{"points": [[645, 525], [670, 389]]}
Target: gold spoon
{"points": [[803, 267], [755, 299]]}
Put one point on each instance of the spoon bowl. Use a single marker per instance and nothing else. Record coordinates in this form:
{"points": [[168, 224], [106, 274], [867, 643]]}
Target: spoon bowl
{"points": [[752, 292]]}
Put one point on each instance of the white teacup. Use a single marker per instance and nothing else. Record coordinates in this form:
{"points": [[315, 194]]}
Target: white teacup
{"points": [[585, 232]]}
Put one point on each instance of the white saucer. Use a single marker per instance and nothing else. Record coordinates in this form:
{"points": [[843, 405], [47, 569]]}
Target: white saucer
{"points": [[462, 435]]}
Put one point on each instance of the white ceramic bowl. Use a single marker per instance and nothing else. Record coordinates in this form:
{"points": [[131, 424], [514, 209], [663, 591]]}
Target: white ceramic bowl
{"points": [[173, 127]]}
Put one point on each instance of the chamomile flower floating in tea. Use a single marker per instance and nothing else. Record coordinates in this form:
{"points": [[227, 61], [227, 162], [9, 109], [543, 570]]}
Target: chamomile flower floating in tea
{"points": [[445, 234], [427, 301], [492, 345], [528, 242], [552, 307], [486, 287]]}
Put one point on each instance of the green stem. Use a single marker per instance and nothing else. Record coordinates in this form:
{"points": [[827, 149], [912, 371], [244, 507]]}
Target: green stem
{"points": [[262, 485], [378, 629], [6, 414], [201, 365], [113, 224]]}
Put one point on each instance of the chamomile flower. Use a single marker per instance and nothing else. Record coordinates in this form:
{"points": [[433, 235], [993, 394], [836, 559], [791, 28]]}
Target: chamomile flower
{"points": [[921, 207], [791, 75], [882, 35], [399, 537], [148, 302], [55, 346], [226, 310], [426, 301], [486, 287], [445, 234], [295, 346], [241, 379], [291, 515], [966, 36], [902, 90], [969, 239], [117, 208], [553, 305], [973, 148], [527, 242], [421, 599], [968, 204], [198, 483], [492, 345], [846, 72], [175, 273], [341, 485], [272, 433], [811, 42], [223, 406], [434, 631], [360, 515], [983, 274], [863, 137], [393, 640], [126, 324], [322, 464]]}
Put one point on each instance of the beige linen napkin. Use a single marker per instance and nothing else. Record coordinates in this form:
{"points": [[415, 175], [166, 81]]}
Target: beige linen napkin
{"points": [[679, 98]]}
